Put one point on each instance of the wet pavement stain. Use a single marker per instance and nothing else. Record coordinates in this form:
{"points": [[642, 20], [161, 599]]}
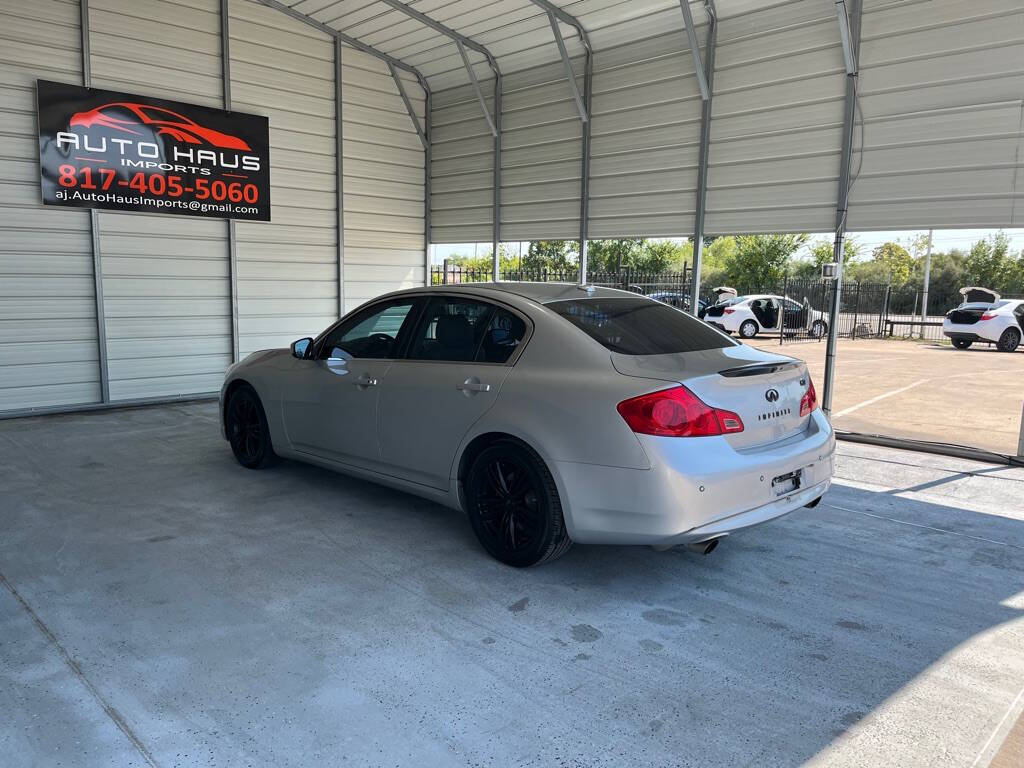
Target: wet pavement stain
{"points": [[584, 633]]}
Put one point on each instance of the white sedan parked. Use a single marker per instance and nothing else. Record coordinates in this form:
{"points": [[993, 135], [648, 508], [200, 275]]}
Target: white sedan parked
{"points": [[999, 322], [764, 313]]}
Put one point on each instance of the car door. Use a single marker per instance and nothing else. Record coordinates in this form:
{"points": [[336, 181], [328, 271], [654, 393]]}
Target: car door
{"points": [[454, 366], [794, 316], [330, 404]]}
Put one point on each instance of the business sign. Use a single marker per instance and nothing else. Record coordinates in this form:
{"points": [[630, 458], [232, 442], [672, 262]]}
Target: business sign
{"points": [[118, 151]]}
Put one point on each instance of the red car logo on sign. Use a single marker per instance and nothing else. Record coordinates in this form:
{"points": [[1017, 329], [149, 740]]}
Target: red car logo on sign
{"points": [[128, 118]]}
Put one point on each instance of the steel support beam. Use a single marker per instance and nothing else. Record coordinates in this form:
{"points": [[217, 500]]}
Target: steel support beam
{"points": [[691, 35], [462, 42], [569, 74], [476, 86], [702, 162], [555, 12], [339, 167], [845, 35], [347, 39], [94, 227], [408, 105], [427, 160], [225, 61], [842, 200]]}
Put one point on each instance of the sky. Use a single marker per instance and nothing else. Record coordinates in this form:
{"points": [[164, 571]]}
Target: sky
{"points": [[942, 240]]}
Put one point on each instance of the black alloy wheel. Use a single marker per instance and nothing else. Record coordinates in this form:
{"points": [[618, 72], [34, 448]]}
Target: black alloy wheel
{"points": [[247, 430], [1009, 340], [513, 506]]}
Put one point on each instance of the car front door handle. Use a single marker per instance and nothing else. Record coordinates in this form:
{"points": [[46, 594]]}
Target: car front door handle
{"points": [[473, 385], [365, 380]]}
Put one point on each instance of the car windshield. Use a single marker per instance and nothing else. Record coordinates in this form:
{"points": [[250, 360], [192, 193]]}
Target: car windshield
{"points": [[640, 326]]}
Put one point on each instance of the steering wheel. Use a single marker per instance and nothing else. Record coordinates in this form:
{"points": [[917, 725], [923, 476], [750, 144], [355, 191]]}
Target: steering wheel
{"points": [[382, 338]]}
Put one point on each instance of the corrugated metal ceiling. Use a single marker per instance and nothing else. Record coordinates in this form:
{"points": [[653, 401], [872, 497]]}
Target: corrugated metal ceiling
{"points": [[516, 32]]}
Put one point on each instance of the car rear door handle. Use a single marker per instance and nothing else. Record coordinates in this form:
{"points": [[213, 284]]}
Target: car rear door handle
{"points": [[365, 380], [473, 385]]}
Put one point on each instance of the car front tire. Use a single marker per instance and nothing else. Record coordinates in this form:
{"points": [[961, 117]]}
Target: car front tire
{"points": [[962, 343], [513, 506], [247, 430], [748, 329], [1009, 340], [818, 329]]}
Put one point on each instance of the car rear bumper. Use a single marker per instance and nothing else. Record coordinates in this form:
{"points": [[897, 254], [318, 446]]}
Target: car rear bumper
{"points": [[960, 336], [696, 489], [980, 331]]}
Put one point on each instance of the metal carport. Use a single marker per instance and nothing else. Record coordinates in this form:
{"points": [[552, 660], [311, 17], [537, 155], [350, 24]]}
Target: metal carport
{"points": [[460, 123]]}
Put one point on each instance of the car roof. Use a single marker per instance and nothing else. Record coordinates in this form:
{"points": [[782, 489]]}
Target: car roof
{"points": [[542, 293]]}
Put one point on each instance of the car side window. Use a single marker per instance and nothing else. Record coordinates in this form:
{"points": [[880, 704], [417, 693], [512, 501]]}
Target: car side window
{"points": [[373, 333], [504, 334], [451, 329]]}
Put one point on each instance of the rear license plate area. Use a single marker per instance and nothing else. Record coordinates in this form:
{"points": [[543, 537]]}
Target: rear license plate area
{"points": [[787, 483]]}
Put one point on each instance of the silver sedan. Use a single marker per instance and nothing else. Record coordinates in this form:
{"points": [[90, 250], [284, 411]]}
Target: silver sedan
{"points": [[549, 413]]}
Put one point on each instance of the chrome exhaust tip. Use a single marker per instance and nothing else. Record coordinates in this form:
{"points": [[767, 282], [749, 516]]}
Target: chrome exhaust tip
{"points": [[704, 547]]}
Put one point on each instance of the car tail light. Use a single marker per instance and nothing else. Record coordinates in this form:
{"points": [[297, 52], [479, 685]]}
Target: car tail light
{"points": [[677, 412], [810, 399], [728, 311], [988, 316]]}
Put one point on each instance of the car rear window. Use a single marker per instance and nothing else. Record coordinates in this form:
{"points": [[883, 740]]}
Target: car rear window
{"points": [[640, 326]]}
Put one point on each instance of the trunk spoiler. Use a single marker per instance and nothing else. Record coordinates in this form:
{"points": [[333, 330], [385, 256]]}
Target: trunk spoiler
{"points": [[758, 369]]}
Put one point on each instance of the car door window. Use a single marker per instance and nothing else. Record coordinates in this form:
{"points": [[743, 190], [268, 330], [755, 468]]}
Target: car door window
{"points": [[451, 329], [503, 336], [373, 333]]}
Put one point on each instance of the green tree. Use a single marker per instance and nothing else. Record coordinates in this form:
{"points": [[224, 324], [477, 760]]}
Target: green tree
{"points": [[611, 255], [554, 255], [662, 256], [893, 261], [822, 251], [761, 260], [990, 265]]}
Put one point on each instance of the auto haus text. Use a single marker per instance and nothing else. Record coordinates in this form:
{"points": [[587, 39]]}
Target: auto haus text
{"points": [[146, 155]]}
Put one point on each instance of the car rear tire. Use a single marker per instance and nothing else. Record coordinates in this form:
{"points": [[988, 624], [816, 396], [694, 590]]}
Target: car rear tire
{"points": [[247, 430], [962, 343], [748, 329], [818, 329], [1009, 340], [513, 506]]}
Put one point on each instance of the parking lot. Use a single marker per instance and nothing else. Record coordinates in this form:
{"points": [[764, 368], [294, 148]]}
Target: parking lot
{"points": [[921, 390], [162, 606]]}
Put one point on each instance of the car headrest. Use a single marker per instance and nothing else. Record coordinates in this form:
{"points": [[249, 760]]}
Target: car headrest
{"points": [[454, 331]]}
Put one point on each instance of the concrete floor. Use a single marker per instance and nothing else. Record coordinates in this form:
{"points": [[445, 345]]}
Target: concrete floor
{"points": [[161, 605], [921, 390]]}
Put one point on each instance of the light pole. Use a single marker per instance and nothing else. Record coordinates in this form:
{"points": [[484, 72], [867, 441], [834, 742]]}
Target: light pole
{"points": [[927, 278]]}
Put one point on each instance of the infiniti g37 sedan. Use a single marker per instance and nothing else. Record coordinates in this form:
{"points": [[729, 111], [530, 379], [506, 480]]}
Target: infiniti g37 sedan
{"points": [[549, 413]]}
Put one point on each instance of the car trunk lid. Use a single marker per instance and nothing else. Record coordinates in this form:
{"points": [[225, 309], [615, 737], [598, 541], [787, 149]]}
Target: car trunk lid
{"points": [[763, 388]]}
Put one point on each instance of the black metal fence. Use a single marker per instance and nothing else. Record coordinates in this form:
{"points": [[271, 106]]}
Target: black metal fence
{"points": [[866, 310]]}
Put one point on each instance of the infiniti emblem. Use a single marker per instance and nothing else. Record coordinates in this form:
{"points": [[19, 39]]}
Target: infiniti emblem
{"points": [[772, 395]]}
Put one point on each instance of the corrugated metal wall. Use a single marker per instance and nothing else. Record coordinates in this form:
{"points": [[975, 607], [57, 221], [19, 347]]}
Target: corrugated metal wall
{"points": [[646, 132], [384, 180], [461, 168], [48, 350], [287, 268], [165, 279], [777, 113], [942, 93]]}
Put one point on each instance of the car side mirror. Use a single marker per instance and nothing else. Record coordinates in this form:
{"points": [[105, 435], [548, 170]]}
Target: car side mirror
{"points": [[302, 348]]}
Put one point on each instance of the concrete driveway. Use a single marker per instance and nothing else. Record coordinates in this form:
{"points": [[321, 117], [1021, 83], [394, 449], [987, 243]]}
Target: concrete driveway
{"points": [[921, 390], [162, 606]]}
